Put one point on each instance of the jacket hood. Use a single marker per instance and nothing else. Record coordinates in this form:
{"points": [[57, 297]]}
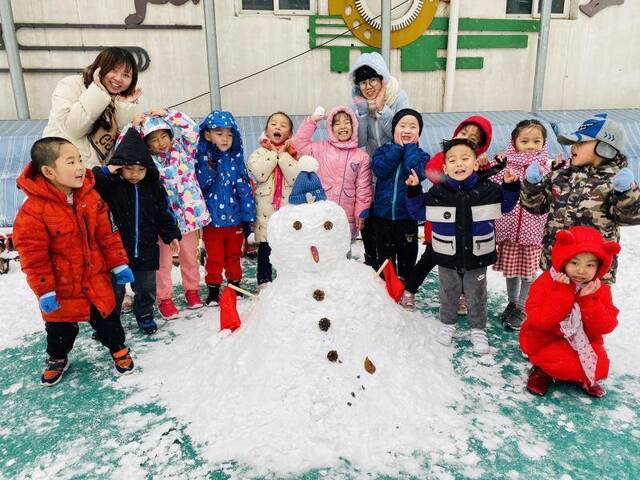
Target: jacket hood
{"points": [[152, 123], [219, 119], [373, 60], [33, 183], [581, 239], [353, 141], [484, 125], [133, 151]]}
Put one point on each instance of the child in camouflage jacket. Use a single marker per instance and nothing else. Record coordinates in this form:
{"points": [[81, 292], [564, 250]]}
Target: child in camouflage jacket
{"points": [[597, 189]]}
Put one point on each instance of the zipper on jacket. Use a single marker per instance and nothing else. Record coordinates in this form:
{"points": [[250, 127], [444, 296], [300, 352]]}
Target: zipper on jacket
{"points": [[344, 175], [395, 193], [519, 225], [137, 216]]}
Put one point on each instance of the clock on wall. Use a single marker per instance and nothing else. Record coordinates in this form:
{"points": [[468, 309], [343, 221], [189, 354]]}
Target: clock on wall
{"points": [[409, 19]]}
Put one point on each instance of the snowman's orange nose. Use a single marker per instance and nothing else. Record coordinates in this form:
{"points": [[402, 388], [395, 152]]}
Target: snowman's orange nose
{"points": [[315, 254]]}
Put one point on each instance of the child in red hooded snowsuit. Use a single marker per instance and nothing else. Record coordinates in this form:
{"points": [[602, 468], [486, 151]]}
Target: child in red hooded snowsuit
{"points": [[568, 310]]}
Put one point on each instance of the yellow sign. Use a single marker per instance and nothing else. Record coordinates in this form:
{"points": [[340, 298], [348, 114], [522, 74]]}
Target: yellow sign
{"points": [[409, 19]]}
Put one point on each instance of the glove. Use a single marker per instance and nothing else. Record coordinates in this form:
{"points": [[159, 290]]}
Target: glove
{"points": [[361, 106], [533, 173], [123, 275], [623, 180], [49, 302], [246, 229]]}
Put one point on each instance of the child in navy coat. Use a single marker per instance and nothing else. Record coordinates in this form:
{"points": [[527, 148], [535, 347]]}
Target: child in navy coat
{"points": [[396, 233], [130, 185]]}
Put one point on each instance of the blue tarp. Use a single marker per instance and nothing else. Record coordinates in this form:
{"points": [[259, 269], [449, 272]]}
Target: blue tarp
{"points": [[16, 138]]}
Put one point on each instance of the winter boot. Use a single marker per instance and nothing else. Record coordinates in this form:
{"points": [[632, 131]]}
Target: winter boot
{"points": [[53, 373], [168, 309], [445, 335], [462, 306], [147, 324], [511, 306], [214, 294], [479, 341], [236, 283], [262, 286], [408, 301], [538, 382], [193, 299], [514, 321], [123, 362], [594, 390]]}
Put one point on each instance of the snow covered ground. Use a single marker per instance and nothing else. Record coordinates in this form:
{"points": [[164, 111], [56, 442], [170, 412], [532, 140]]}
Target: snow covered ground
{"points": [[159, 422]]}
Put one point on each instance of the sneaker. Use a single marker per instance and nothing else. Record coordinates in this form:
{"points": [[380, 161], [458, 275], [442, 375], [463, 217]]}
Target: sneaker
{"points": [[514, 320], [214, 294], [147, 324], [168, 309], [408, 301], [445, 335], [462, 306], [594, 390], [193, 299], [479, 341], [123, 362], [511, 306], [53, 373], [538, 381], [127, 304]]}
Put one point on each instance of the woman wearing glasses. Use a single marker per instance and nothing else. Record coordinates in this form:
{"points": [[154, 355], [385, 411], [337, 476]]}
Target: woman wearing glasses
{"points": [[377, 97]]}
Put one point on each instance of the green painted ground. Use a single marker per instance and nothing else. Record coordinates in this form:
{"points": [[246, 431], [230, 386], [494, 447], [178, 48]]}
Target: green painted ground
{"points": [[94, 426]]}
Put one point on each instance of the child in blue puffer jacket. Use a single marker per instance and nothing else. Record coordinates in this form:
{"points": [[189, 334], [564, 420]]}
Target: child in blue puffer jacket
{"points": [[224, 181], [396, 232]]}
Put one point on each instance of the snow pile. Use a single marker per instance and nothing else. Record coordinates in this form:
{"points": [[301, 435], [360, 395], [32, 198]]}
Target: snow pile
{"points": [[273, 398]]}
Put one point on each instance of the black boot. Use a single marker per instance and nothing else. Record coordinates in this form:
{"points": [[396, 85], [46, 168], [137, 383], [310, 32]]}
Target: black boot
{"points": [[214, 294], [236, 283]]}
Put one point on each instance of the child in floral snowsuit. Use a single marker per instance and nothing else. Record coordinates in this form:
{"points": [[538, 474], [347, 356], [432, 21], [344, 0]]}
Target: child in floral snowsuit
{"points": [[172, 138]]}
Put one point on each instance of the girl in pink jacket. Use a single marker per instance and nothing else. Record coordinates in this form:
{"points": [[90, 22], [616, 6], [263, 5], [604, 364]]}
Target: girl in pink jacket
{"points": [[345, 170]]}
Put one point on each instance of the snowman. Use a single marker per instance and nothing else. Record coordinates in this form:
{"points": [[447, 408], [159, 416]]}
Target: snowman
{"points": [[325, 364]]}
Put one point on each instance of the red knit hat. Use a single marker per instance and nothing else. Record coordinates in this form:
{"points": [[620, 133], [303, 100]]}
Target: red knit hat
{"points": [[580, 239]]}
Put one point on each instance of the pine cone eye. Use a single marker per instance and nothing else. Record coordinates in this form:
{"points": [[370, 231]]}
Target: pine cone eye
{"points": [[328, 225], [297, 225]]}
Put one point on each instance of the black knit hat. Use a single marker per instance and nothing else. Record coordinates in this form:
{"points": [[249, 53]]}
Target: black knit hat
{"points": [[403, 113], [363, 73]]}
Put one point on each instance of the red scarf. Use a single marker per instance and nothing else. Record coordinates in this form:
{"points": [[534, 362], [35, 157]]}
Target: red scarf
{"points": [[278, 177]]}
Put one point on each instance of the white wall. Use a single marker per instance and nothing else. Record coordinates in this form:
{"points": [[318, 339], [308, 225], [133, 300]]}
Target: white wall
{"points": [[592, 63]]}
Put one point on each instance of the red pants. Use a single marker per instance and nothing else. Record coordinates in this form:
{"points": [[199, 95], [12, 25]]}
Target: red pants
{"points": [[224, 249], [562, 362]]}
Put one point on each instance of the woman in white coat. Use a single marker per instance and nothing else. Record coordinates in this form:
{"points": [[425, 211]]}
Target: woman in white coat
{"points": [[90, 109]]}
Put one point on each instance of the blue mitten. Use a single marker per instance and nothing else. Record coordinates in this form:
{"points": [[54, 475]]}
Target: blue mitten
{"points": [[623, 180], [123, 275], [533, 173], [49, 302]]}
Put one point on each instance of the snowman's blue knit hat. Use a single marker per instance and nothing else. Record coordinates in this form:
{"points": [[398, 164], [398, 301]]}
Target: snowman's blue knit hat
{"points": [[307, 187]]}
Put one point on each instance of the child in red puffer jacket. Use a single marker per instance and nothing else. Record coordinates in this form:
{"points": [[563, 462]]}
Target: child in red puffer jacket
{"points": [[568, 311]]}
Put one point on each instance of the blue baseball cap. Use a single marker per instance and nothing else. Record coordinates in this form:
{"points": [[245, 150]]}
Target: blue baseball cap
{"points": [[599, 127]]}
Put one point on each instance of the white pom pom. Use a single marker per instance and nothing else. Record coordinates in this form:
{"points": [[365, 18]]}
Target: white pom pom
{"points": [[319, 110], [307, 163]]}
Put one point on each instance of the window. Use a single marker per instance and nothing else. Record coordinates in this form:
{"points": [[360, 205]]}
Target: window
{"points": [[559, 8], [279, 7]]}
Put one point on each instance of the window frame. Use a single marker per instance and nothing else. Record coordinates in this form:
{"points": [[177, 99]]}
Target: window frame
{"points": [[569, 11], [277, 11]]}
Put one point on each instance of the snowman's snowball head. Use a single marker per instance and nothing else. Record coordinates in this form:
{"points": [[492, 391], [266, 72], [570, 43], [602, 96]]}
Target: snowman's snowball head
{"points": [[309, 237]]}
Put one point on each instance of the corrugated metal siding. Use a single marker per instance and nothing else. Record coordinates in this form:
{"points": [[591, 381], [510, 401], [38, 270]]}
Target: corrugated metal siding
{"points": [[16, 138]]}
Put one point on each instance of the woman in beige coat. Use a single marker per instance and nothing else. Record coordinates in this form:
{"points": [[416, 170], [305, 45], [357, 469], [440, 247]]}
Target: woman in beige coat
{"points": [[274, 169], [90, 109]]}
